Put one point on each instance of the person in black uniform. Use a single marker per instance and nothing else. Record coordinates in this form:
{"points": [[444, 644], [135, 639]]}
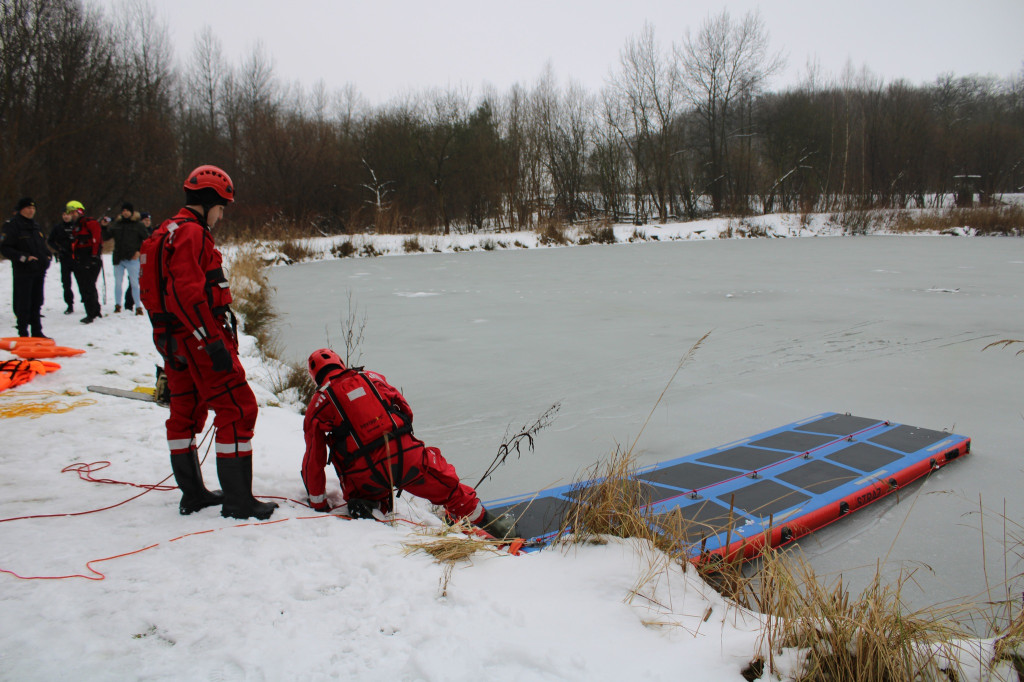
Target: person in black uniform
{"points": [[60, 242], [22, 241]]}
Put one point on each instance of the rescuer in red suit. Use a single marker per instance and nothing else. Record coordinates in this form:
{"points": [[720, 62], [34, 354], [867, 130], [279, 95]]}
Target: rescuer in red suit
{"points": [[362, 425], [184, 289], [86, 247]]}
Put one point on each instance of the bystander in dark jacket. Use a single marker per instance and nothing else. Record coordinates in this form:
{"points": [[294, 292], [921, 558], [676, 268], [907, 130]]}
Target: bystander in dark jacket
{"points": [[22, 241], [128, 234], [60, 241]]}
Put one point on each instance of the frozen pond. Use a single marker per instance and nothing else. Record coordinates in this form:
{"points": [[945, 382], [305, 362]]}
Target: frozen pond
{"points": [[884, 327]]}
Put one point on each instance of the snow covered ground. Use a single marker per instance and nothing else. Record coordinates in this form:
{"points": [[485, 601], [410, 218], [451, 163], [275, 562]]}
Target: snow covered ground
{"points": [[105, 581]]}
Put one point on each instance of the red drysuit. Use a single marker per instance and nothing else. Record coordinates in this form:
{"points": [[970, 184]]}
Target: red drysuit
{"points": [[183, 288], [402, 462]]}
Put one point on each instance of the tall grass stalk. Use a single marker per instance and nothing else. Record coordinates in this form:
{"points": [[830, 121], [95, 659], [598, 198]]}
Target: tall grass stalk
{"points": [[839, 636], [252, 294]]}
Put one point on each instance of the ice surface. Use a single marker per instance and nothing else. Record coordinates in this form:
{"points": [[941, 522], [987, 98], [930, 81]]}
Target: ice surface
{"points": [[886, 327]]}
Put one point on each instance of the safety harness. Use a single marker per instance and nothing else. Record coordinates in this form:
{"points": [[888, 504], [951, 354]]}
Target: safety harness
{"points": [[153, 281], [369, 421]]}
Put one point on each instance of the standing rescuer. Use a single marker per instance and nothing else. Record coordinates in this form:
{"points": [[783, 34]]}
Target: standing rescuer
{"points": [[362, 425], [86, 246], [184, 289]]}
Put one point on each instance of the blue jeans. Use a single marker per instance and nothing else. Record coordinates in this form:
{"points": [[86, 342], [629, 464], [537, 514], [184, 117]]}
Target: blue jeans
{"points": [[132, 268]]}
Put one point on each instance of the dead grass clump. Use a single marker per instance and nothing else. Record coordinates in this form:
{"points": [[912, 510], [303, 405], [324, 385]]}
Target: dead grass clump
{"points": [[848, 638], [1009, 646], [297, 250], [343, 249], [295, 378], [444, 547], [861, 221], [841, 637], [412, 245], [551, 232], [252, 294], [614, 505], [603, 233], [984, 220]]}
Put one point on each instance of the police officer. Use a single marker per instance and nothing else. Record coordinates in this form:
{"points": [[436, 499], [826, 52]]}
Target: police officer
{"points": [[22, 241]]}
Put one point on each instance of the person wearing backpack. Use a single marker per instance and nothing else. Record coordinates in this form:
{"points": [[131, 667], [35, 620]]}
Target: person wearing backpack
{"points": [[185, 292], [362, 425], [86, 246]]}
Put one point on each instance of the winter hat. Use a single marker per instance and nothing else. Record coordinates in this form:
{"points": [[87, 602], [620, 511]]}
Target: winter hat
{"points": [[24, 202], [127, 206], [144, 215], [74, 207]]}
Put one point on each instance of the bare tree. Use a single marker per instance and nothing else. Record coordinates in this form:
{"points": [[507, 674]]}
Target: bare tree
{"points": [[724, 63], [642, 103], [564, 126], [204, 79], [441, 115]]}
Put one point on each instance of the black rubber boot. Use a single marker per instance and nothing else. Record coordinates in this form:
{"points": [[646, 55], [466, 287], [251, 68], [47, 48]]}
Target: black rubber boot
{"points": [[235, 475], [188, 475], [501, 527]]}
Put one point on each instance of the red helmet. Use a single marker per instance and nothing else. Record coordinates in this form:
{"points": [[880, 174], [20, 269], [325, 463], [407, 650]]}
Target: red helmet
{"points": [[323, 364], [214, 178]]}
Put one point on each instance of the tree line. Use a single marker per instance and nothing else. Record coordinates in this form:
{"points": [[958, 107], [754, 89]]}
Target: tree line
{"points": [[96, 108]]}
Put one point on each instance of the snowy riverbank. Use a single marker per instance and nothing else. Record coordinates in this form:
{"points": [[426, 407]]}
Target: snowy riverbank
{"points": [[105, 581]]}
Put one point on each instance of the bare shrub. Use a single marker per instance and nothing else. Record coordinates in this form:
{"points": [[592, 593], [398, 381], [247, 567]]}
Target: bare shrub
{"points": [[599, 234], [552, 231], [986, 220], [859, 222], [412, 245], [297, 250], [343, 249], [252, 295]]}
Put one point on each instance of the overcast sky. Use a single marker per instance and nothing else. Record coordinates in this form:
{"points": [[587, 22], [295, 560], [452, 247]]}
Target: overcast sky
{"points": [[390, 47]]}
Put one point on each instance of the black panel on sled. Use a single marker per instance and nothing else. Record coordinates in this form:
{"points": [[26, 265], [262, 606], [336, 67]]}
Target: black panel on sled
{"points": [[745, 459], [536, 517], [764, 498], [697, 521], [839, 425], [818, 476], [864, 457], [909, 438], [794, 441], [643, 493], [688, 475]]}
